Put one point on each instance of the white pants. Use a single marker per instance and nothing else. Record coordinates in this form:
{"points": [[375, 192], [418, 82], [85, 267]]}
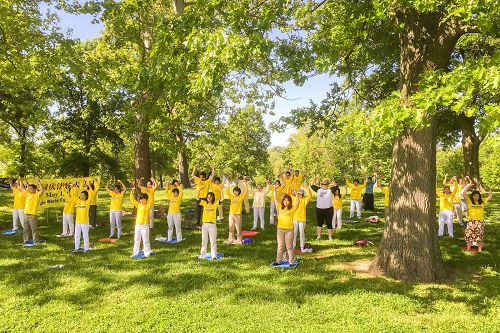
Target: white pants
{"points": [[152, 217], [115, 222], [174, 220], [17, 214], [221, 213], [299, 226], [445, 216], [82, 228], [272, 211], [68, 224], [355, 204], [337, 218], [208, 230], [458, 210], [258, 213], [142, 232]]}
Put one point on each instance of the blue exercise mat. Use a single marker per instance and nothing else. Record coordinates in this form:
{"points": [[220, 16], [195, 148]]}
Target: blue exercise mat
{"points": [[164, 240], [141, 255], [286, 264], [80, 249], [30, 243], [209, 256], [247, 240], [9, 232]]}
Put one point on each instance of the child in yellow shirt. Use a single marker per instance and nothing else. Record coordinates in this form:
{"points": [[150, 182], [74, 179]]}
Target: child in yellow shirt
{"points": [[174, 195], [337, 208], [141, 230], [115, 209], [209, 225]]}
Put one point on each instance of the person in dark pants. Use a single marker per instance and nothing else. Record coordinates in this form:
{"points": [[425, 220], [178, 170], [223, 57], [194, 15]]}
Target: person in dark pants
{"points": [[324, 207], [202, 188], [368, 196], [94, 185]]}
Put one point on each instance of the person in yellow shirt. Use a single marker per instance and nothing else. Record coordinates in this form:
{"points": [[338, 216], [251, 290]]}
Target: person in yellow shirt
{"points": [[243, 183], [19, 202], [385, 190], [218, 189], [70, 197], [33, 195], [94, 185], [474, 232], [141, 230], [300, 217], [259, 204], [150, 190], [83, 216], [457, 201], [284, 231], [209, 226], [115, 208], [235, 218], [356, 189], [297, 181], [175, 192], [287, 180], [202, 187], [337, 208], [272, 209], [446, 209]]}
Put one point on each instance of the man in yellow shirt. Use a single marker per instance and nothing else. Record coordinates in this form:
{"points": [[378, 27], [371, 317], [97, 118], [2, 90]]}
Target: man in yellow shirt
{"points": [[115, 208], [175, 192], [446, 209], [94, 185], [202, 186], [19, 202], [356, 189], [31, 211]]}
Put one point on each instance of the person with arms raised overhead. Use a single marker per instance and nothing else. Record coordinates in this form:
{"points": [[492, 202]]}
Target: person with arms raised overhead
{"points": [[31, 205], [19, 203], [202, 187]]}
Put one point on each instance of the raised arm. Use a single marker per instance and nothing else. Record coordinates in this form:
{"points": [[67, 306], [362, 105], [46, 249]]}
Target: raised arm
{"points": [[193, 174], [297, 200], [490, 194], [445, 180], [155, 184], [107, 186], [132, 197], [275, 196], [212, 174], [245, 192], [41, 189], [124, 188]]}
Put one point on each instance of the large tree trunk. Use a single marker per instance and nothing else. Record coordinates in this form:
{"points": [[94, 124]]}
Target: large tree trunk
{"points": [[470, 147], [142, 162], [183, 162], [22, 152], [409, 249]]}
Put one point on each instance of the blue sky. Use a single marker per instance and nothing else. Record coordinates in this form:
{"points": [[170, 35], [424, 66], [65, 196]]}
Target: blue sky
{"points": [[314, 89]]}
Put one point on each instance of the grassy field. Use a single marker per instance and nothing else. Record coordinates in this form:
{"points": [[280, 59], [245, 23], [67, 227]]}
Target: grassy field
{"points": [[106, 291]]}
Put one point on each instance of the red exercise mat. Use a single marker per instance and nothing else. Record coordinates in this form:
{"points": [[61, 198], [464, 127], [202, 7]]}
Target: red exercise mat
{"points": [[249, 233], [473, 249]]}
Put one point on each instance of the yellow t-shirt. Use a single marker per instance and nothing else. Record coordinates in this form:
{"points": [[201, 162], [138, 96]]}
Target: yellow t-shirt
{"points": [[301, 210], [209, 212], [202, 186], [82, 209], [236, 201], [142, 216], [95, 192], [116, 200], [217, 189], [287, 186], [70, 201], [19, 198], [445, 200], [296, 182], [457, 198], [385, 190], [32, 203], [150, 192], [175, 202], [285, 218], [356, 190], [336, 202], [476, 211]]}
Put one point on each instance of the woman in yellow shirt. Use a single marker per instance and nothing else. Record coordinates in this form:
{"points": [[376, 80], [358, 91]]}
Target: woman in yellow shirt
{"points": [[150, 190], [115, 208], [82, 216], [235, 218], [474, 231], [300, 217], [70, 197], [141, 230], [284, 232], [209, 225], [19, 202], [356, 189], [202, 188], [446, 209], [31, 204], [175, 192], [337, 208], [218, 189]]}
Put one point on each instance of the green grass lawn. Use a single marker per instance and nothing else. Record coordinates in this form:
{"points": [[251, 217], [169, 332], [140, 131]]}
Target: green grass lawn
{"points": [[106, 291]]}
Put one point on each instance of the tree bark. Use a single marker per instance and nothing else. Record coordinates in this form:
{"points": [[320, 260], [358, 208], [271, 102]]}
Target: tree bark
{"points": [[409, 248], [142, 162], [22, 152], [183, 162], [470, 147]]}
